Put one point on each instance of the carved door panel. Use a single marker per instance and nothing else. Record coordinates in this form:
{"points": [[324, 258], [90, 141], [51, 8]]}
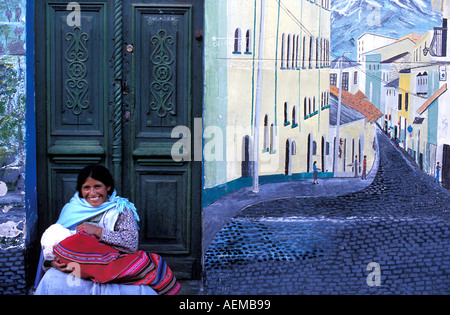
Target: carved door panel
{"points": [[159, 73], [72, 110], [110, 90]]}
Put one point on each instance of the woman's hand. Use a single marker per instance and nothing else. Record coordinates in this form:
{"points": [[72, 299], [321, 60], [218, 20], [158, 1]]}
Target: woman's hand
{"points": [[90, 229], [60, 266]]}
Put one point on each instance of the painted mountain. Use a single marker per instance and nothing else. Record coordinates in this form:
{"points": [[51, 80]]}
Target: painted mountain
{"points": [[393, 18]]}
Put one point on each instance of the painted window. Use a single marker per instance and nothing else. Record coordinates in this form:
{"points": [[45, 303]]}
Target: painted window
{"points": [[406, 101], [333, 79], [305, 105], [371, 92], [294, 118], [422, 84], [317, 52], [248, 42], [286, 121], [322, 52], [345, 78], [288, 51], [294, 45], [237, 40], [272, 138], [304, 52], [266, 133]]}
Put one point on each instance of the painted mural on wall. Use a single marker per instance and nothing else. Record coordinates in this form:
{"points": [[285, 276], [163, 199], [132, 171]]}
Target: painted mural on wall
{"points": [[12, 121], [390, 18], [272, 107], [353, 88], [387, 49]]}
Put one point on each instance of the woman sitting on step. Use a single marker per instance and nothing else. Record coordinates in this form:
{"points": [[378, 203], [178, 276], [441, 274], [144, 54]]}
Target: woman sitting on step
{"points": [[96, 240]]}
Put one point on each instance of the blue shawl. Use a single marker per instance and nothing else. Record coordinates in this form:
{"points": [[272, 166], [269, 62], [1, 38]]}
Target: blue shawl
{"points": [[79, 210]]}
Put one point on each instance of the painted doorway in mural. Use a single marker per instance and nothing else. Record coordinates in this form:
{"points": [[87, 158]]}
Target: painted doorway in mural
{"points": [[446, 166], [113, 87], [322, 150], [288, 158], [246, 164], [308, 155]]}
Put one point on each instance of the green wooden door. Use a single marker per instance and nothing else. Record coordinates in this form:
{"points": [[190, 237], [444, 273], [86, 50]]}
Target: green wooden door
{"points": [[109, 90]]}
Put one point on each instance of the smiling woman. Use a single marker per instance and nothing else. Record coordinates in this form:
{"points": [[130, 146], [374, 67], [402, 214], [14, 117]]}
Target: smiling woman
{"points": [[92, 187], [101, 223]]}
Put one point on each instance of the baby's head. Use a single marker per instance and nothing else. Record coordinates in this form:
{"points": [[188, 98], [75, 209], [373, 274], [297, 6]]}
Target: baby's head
{"points": [[52, 236]]}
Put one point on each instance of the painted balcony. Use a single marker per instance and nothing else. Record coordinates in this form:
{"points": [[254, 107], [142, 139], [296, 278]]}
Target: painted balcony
{"points": [[439, 44]]}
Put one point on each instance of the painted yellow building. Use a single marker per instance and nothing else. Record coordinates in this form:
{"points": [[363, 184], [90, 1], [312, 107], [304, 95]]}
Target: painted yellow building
{"points": [[287, 84], [403, 105], [356, 132], [420, 77]]}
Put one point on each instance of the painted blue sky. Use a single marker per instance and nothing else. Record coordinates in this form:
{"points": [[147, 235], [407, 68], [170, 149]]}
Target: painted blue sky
{"points": [[394, 18]]}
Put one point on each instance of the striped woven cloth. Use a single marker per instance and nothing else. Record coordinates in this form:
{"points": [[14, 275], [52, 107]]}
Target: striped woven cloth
{"points": [[98, 262]]}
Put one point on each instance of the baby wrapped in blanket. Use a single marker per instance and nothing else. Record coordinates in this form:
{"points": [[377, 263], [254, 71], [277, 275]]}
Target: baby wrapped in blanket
{"points": [[52, 236], [101, 263]]}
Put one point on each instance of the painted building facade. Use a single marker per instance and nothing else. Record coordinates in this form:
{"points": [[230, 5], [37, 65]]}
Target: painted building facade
{"points": [[293, 65], [294, 109], [352, 74], [368, 42], [286, 81], [357, 125], [379, 64], [434, 106], [415, 98]]}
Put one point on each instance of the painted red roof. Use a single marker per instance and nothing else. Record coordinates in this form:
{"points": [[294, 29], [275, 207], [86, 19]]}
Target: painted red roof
{"points": [[360, 94], [359, 103]]}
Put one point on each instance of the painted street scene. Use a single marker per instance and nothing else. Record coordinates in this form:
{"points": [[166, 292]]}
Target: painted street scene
{"points": [[378, 211], [324, 240], [270, 147]]}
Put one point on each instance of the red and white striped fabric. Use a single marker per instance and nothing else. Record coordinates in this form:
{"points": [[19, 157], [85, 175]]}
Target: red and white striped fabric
{"points": [[101, 263]]}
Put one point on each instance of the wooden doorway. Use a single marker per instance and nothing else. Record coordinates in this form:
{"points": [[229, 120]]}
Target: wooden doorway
{"points": [[112, 89]]}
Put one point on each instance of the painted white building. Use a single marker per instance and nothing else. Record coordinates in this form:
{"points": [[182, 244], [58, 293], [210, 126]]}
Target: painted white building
{"points": [[438, 103], [390, 122], [351, 74], [368, 42]]}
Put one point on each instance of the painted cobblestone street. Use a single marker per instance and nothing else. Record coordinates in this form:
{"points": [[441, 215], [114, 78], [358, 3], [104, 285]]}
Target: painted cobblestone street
{"points": [[323, 245]]}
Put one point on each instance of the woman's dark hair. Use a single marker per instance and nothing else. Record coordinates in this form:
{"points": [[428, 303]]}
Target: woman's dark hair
{"points": [[96, 172]]}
